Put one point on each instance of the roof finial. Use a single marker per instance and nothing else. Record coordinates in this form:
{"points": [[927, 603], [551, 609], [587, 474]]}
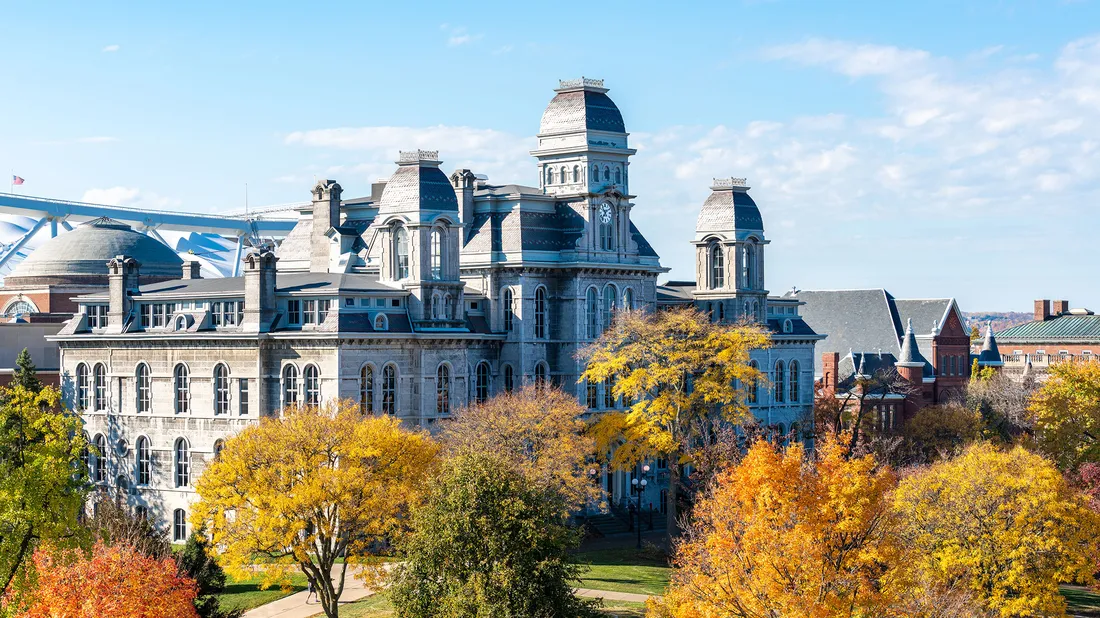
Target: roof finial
{"points": [[909, 325]]}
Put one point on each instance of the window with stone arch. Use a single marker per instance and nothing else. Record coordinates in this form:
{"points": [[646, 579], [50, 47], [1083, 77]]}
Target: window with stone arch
{"points": [[437, 253], [564, 175], [542, 375], [606, 216], [508, 306], [83, 389], [541, 316], [576, 173], [312, 379], [99, 462], [610, 304], [509, 378], [549, 175], [290, 386], [221, 389], [366, 389], [717, 261], [99, 385], [618, 175], [443, 389], [606, 174], [219, 446], [628, 299], [400, 253], [592, 313], [780, 381], [748, 265], [481, 382], [753, 389], [448, 309], [792, 382], [181, 384], [437, 306], [595, 173], [381, 323], [182, 460], [179, 526], [143, 388], [389, 389], [144, 461], [19, 307]]}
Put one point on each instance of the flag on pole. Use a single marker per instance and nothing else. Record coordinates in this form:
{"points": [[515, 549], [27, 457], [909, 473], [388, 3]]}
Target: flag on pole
{"points": [[16, 180]]}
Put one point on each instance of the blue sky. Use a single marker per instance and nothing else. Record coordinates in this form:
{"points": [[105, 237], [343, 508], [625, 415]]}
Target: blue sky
{"points": [[938, 148]]}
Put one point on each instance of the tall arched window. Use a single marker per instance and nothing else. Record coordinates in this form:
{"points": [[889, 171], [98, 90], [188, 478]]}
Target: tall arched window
{"points": [[610, 304], [748, 266], [564, 176], [542, 375], [481, 384], [221, 389], [312, 378], [509, 378], [290, 385], [606, 174], [549, 175], [753, 394], [219, 446], [181, 383], [179, 526], [618, 176], [83, 390], [780, 381], [607, 229], [576, 173], [183, 463], [717, 267], [508, 303], [628, 299], [99, 463], [144, 388], [540, 313], [366, 389], [99, 384], [595, 173], [448, 307], [143, 460], [592, 314], [400, 253], [792, 370], [389, 390], [437, 253], [443, 390]]}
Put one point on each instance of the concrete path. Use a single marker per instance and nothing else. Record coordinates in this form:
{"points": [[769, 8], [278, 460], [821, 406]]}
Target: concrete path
{"points": [[611, 595], [295, 606]]}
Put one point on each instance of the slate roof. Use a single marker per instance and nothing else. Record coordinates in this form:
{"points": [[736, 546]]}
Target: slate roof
{"points": [[860, 320], [726, 210], [418, 186], [326, 283], [1068, 328], [579, 110], [675, 292], [510, 189], [990, 354]]}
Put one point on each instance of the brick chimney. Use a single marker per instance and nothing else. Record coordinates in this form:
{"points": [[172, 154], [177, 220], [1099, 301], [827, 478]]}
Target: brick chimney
{"points": [[1042, 310], [830, 362], [259, 291], [192, 269], [1060, 307], [464, 182], [326, 215], [122, 282]]}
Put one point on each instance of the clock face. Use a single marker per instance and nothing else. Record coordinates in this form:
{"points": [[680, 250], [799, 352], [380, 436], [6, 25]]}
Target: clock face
{"points": [[605, 213]]}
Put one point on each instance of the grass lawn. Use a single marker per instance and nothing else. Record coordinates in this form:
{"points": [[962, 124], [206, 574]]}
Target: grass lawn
{"points": [[246, 594], [625, 570], [378, 606], [1082, 602]]}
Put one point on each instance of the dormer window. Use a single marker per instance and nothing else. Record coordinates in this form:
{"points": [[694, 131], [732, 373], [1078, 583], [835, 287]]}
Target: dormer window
{"points": [[380, 322], [401, 253], [97, 316]]}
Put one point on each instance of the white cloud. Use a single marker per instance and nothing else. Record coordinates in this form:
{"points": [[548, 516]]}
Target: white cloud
{"points": [[111, 48], [855, 60], [458, 35], [129, 197]]}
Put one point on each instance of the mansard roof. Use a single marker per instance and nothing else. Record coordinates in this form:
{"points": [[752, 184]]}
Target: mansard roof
{"points": [[418, 185], [581, 105], [729, 209]]}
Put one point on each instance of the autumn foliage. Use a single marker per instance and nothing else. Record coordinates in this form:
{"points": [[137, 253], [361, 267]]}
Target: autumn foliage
{"points": [[115, 581]]}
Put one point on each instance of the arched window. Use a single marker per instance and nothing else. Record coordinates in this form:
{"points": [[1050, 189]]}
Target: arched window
{"points": [[144, 461], [366, 389], [618, 176], [595, 173], [181, 382], [540, 313], [437, 302], [179, 526], [592, 314], [748, 266], [564, 177], [607, 229], [389, 390], [576, 173], [19, 307], [183, 463], [795, 432], [754, 387], [792, 370], [99, 384], [780, 379], [448, 308], [628, 299], [788, 326], [381, 323], [290, 386], [83, 390], [610, 304], [219, 446], [481, 384], [549, 175], [144, 388], [437, 253], [542, 375], [312, 378], [221, 389], [509, 378], [606, 174], [99, 462], [443, 390], [508, 303], [717, 267], [400, 253]]}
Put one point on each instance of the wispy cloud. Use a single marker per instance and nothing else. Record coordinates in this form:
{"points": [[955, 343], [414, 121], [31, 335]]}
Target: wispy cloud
{"points": [[458, 35], [111, 48], [129, 196]]}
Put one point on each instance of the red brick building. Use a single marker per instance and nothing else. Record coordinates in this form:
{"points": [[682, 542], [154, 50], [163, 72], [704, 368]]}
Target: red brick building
{"points": [[1056, 333]]}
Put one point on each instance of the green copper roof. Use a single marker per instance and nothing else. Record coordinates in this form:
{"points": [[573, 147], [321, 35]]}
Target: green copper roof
{"points": [[1063, 328]]}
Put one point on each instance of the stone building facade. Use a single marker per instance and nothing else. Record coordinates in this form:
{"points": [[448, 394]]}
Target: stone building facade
{"points": [[436, 291]]}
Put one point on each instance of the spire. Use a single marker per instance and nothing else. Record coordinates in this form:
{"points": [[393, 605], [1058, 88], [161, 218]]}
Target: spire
{"points": [[910, 354], [990, 356], [859, 372]]}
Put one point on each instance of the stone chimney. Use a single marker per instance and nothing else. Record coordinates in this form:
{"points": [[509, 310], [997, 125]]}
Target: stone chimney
{"points": [[326, 215], [122, 282], [464, 182], [1042, 310], [192, 269], [259, 291], [1061, 307], [830, 362]]}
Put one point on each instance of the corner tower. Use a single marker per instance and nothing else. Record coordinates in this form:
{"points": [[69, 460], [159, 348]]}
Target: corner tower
{"points": [[729, 252]]}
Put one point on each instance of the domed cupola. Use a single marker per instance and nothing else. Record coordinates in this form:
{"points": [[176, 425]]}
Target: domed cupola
{"points": [[418, 190], [730, 211], [581, 105]]}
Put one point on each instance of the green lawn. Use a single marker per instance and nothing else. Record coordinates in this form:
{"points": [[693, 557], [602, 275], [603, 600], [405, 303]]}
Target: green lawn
{"points": [[625, 570], [1082, 602], [246, 594]]}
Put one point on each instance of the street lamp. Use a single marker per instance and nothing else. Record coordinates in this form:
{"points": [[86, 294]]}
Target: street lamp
{"points": [[637, 487]]}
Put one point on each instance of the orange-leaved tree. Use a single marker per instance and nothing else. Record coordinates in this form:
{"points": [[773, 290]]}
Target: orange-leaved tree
{"points": [[1066, 411], [678, 371], [114, 580], [781, 535], [315, 485]]}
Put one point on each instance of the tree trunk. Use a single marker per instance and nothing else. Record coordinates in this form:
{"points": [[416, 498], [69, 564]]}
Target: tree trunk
{"points": [[673, 495]]}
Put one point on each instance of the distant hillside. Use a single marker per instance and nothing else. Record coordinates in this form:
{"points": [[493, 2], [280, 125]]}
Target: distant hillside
{"points": [[1001, 319]]}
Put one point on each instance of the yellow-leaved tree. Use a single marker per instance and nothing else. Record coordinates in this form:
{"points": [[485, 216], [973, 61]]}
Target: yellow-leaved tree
{"points": [[780, 535], [678, 372], [315, 485], [1066, 411], [1002, 524]]}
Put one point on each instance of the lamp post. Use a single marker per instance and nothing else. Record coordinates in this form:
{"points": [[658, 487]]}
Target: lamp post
{"points": [[637, 487], [592, 477]]}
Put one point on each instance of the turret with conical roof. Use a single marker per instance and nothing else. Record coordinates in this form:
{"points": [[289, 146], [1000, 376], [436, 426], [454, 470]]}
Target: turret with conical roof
{"points": [[990, 356]]}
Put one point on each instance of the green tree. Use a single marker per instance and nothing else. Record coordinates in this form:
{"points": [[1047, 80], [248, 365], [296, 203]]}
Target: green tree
{"points": [[1066, 410], [42, 479], [26, 375], [196, 562], [488, 543]]}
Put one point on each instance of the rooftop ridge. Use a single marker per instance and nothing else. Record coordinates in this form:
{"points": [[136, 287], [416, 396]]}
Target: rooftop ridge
{"points": [[416, 156]]}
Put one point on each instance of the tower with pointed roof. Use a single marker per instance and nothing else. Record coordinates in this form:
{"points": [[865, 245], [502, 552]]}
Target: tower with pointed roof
{"points": [[990, 356]]}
